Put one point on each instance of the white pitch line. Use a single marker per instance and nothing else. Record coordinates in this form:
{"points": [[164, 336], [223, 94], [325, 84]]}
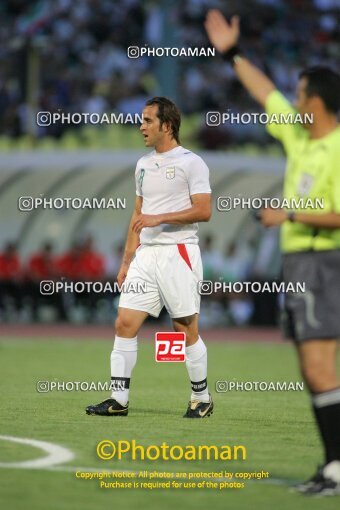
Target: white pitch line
{"points": [[56, 454], [60, 455]]}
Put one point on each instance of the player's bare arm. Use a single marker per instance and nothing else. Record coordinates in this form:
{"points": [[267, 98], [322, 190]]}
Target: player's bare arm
{"points": [[199, 211], [223, 36], [132, 242], [274, 217]]}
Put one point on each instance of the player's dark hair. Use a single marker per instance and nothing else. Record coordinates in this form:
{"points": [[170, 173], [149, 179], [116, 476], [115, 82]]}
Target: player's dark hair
{"points": [[168, 113], [324, 83]]}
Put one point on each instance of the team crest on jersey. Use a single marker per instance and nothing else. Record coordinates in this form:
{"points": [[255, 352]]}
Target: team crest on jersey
{"points": [[170, 172]]}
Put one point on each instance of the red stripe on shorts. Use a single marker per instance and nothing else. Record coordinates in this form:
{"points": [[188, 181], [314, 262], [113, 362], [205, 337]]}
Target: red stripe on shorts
{"points": [[184, 254]]}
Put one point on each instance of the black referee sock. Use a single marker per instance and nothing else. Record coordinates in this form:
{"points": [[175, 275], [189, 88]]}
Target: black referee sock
{"points": [[326, 407]]}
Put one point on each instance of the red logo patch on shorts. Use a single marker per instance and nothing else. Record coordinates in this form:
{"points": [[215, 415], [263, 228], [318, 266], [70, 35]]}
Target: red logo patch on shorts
{"points": [[170, 346]]}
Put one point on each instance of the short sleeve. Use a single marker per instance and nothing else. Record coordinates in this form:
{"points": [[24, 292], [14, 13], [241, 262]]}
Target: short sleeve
{"points": [[287, 133], [198, 176], [335, 181], [138, 177]]}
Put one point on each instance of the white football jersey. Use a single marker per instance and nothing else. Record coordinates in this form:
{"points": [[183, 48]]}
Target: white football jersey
{"points": [[166, 181]]}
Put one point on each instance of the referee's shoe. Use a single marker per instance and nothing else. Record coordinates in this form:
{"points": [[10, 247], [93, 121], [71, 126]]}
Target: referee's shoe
{"points": [[197, 409], [326, 481], [109, 407]]}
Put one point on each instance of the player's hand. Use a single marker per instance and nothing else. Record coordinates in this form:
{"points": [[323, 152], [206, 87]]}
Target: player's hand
{"points": [[122, 274], [272, 217], [222, 34], [146, 220]]}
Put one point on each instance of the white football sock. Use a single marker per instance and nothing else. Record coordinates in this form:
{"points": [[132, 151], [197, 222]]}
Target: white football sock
{"points": [[196, 362], [332, 471], [123, 360]]}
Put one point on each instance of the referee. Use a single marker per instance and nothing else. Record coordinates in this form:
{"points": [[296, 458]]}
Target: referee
{"points": [[310, 241]]}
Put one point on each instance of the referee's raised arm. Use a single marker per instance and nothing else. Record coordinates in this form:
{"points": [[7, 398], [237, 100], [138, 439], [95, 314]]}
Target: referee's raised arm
{"points": [[224, 37]]}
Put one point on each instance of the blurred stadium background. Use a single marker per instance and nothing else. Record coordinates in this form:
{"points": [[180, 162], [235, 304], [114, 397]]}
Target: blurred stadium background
{"points": [[71, 56]]}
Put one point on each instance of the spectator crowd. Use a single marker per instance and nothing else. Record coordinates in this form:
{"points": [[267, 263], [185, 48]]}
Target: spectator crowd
{"points": [[82, 46]]}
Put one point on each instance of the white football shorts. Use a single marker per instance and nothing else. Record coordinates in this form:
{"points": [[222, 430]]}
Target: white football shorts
{"points": [[169, 274]]}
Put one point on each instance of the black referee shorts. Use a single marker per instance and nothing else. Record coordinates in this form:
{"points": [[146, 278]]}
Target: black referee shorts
{"points": [[315, 313]]}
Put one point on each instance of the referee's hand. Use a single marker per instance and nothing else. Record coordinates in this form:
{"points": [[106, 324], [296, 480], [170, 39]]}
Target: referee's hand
{"points": [[272, 217], [222, 35]]}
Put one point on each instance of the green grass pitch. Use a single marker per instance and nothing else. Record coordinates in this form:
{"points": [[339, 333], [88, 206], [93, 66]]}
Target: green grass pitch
{"points": [[276, 427]]}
